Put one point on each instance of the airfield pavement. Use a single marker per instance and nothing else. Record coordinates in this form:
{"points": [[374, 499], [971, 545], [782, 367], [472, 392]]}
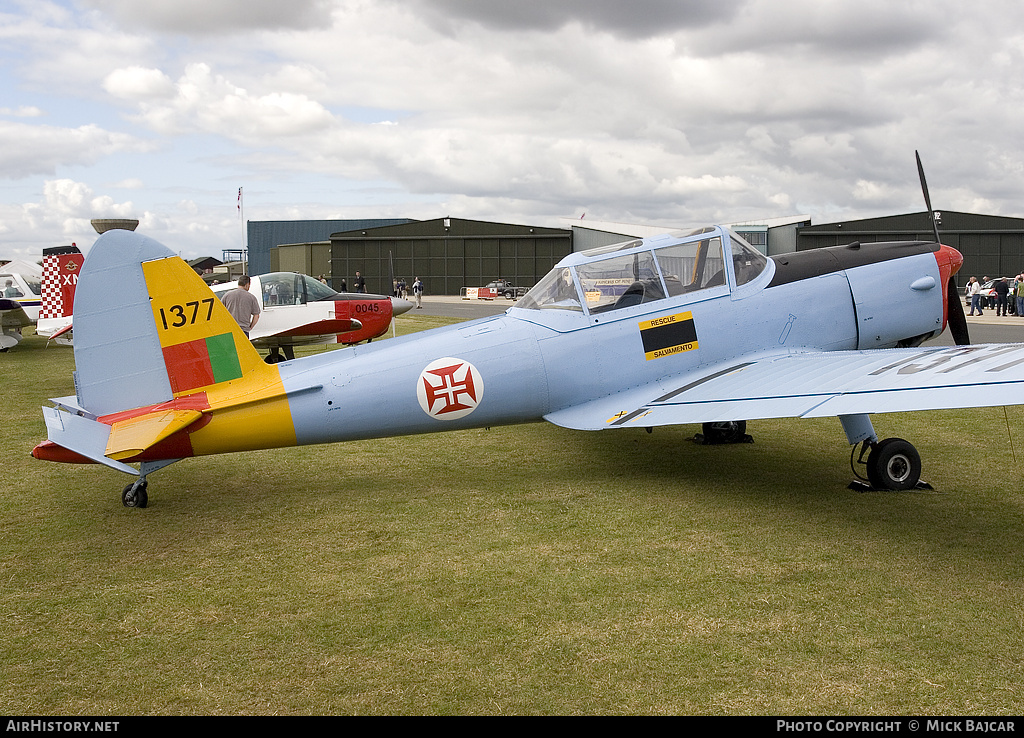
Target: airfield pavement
{"points": [[987, 328], [453, 306]]}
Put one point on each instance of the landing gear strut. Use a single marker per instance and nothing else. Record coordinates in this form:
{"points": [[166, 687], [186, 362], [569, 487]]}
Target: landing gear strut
{"points": [[134, 495], [274, 357], [713, 434], [892, 464]]}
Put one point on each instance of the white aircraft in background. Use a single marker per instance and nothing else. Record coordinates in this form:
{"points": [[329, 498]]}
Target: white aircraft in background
{"points": [[41, 295], [61, 266], [297, 310], [19, 300]]}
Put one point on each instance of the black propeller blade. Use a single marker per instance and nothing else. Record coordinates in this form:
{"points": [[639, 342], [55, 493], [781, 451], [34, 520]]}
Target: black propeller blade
{"points": [[391, 269], [955, 318], [927, 197]]}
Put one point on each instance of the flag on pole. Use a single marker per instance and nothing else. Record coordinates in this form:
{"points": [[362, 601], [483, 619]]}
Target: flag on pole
{"points": [[239, 200]]}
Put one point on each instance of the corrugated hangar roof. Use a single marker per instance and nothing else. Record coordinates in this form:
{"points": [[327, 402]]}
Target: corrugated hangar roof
{"points": [[263, 235]]}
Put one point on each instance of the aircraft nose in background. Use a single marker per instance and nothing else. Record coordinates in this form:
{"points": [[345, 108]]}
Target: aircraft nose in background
{"points": [[399, 306]]}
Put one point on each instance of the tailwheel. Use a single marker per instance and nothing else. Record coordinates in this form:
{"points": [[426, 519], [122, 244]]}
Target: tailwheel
{"points": [[134, 495], [894, 464], [734, 431]]}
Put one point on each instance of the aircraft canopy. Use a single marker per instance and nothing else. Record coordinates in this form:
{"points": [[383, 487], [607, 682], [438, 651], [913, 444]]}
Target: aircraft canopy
{"points": [[289, 288], [642, 271]]}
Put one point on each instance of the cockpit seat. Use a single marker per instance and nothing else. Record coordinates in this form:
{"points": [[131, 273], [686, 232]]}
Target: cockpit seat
{"points": [[638, 293], [717, 279], [634, 295]]}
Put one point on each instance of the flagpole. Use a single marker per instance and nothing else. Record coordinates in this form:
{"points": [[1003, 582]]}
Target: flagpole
{"points": [[241, 217]]}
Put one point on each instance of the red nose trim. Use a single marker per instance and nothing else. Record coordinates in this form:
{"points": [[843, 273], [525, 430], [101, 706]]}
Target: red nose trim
{"points": [[949, 261]]}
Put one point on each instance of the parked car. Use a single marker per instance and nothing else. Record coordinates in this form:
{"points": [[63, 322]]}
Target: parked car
{"points": [[506, 289]]}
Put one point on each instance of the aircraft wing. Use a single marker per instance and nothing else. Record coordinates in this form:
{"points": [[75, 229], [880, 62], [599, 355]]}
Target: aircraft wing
{"points": [[311, 329], [12, 319], [55, 328], [815, 384], [12, 314]]}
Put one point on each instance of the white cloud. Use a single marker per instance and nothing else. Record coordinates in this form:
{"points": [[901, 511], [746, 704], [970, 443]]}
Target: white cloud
{"points": [[207, 17], [666, 111], [135, 83], [638, 18], [27, 149], [23, 111], [201, 101], [129, 184]]}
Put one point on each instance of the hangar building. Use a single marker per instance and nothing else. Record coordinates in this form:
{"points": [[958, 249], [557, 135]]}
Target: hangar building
{"points": [[992, 245], [264, 235], [447, 254], [769, 236]]}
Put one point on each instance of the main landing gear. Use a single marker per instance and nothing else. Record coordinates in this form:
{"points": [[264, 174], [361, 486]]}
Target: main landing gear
{"points": [[891, 464], [714, 434], [275, 357]]}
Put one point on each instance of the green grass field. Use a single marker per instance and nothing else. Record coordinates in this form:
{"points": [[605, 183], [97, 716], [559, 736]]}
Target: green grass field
{"points": [[520, 570]]}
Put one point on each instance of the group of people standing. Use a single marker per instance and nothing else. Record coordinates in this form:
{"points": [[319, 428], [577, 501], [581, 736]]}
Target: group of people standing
{"points": [[1007, 297], [399, 287]]}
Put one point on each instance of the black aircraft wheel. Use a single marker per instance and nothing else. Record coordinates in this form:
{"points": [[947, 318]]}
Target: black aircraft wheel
{"points": [[135, 497], [725, 432], [894, 464]]}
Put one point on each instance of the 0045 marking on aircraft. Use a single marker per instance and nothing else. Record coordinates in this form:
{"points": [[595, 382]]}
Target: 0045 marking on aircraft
{"points": [[366, 307]]}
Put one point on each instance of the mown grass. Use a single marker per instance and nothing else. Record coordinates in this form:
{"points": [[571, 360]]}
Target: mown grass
{"points": [[526, 570]]}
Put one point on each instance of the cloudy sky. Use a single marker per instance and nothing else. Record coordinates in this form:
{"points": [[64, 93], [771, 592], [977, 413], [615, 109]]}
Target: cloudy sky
{"points": [[673, 112]]}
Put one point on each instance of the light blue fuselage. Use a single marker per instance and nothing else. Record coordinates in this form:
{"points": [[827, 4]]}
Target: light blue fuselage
{"points": [[532, 361]]}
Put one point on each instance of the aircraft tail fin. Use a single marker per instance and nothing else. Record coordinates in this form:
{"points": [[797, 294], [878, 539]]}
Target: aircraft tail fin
{"points": [[61, 267], [148, 330]]}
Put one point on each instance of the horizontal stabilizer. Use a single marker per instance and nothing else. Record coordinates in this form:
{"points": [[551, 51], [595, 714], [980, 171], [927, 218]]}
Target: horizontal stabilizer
{"points": [[86, 437], [134, 435]]}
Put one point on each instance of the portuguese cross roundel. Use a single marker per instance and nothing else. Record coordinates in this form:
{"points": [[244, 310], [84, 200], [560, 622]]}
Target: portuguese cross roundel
{"points": [[449, 389]]}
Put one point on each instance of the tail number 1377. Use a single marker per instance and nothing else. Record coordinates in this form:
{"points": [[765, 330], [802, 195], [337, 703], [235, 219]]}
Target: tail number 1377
{"points": [[177, 316]]}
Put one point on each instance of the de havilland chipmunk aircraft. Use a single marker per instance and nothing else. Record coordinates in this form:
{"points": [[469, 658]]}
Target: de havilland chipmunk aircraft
{"points": [[682, 328]]}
